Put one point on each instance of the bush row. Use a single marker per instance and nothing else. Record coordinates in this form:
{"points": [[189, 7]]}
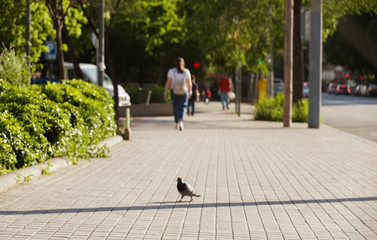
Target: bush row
{"points": [[38, 123], [272, 109], [157, 94]]}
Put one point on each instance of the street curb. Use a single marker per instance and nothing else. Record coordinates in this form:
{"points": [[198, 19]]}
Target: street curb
{"points": [[14, 178]]}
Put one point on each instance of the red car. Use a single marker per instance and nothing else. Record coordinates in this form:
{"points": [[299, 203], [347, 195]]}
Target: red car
{"points": [[342, 89], [372, 89]]}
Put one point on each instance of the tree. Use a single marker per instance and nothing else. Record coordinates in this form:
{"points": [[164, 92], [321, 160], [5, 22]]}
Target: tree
{"points": [[240, 33], [298, 58], [333, 12], [354, 44], [148, 32], [13, 25], [58, 12], [72, 29]]}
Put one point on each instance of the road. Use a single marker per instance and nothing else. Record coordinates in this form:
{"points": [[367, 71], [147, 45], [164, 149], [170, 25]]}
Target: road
{"points": [[353, 114]]}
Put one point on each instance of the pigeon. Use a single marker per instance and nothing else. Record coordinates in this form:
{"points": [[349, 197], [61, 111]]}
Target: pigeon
{"points": [[185, 189]]}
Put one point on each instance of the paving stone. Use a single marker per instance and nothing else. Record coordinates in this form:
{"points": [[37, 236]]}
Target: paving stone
{"points": [[257, 180]]}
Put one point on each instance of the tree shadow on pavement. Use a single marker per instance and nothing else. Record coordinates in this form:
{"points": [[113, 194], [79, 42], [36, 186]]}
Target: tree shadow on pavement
{"points": [[172, 205]]}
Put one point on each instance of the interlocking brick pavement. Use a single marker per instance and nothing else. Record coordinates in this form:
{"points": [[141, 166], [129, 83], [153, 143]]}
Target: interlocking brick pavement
{"points": [[257, 180]]}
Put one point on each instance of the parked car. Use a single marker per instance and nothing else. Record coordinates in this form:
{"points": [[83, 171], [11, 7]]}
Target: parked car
{"points": [[342, 89], [358, 89], [372, 89], [362, 89], [331, 88], [352, 85], [89, 72], [278, 86]]}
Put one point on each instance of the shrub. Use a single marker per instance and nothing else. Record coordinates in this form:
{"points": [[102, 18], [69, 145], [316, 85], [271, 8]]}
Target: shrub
{"points": [[13, 68], [272, 109], [300, 111], [93, 102], [157, 94], [37, 123]]}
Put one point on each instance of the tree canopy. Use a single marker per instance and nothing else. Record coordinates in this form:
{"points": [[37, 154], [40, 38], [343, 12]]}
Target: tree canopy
{"points": [[354, 44], [144, 37], [13, 25]]}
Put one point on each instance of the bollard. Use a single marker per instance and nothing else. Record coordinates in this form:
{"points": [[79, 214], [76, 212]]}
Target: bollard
{"points": [[127, 131]]}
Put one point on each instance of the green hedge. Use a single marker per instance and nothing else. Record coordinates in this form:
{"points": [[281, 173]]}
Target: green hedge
{"points": [[38, 123], [272, 109], [157, 94]]}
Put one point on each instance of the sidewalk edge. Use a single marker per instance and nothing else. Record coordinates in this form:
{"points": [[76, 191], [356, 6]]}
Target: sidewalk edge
{"points": [[14, 178]]}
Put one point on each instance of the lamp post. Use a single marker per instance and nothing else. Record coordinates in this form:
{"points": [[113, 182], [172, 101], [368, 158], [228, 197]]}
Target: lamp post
{"points": [[238, 88], [315, 72]]}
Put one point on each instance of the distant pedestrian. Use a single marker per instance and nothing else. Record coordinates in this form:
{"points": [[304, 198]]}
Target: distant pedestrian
{"points": [[194, 97], [225, 86], [179, 83], [207, 95]]}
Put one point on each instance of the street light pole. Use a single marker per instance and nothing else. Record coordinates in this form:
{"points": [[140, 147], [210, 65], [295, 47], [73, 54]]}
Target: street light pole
{"points": [[101, 44], [238, 88], [315, 64]]}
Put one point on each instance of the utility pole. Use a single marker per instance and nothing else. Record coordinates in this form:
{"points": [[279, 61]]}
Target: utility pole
{"points": [[270, 59], [238, 88], [27, 46], [315, 72], [288, 63], [101, 44]]}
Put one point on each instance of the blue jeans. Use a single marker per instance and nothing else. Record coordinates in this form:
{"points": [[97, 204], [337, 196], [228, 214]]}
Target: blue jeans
{"points": [[191, 106], [224, 99], [179, 105]]}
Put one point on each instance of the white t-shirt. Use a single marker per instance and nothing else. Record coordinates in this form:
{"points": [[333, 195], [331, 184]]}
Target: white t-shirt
{"points": [[175, 75]]}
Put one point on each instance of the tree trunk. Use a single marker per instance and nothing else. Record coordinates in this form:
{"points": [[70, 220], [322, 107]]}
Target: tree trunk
{"points": [[60, 56], [110, 64], [72, 52], [255, 88], [160, 77], [298, 66]]}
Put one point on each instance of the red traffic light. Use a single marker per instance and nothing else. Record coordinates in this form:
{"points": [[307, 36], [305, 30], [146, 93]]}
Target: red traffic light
{"points": [[196, 64], [347, 75]]}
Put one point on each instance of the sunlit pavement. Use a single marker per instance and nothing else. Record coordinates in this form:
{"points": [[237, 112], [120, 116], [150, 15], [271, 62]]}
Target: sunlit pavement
{"points": [[257, 180]]}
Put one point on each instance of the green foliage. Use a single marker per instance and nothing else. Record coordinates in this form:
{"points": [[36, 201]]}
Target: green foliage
{"points": [[157, 94], [355, 54], [47, 169], [272, 109], [38, 123], [153, 35], [14, 68], [333, 11], [241, 32], [28, 178], [13, 26], [300, 111]]}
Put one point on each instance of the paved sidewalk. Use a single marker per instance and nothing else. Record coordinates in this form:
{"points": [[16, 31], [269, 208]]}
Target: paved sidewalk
{"points": [[257, 180]]}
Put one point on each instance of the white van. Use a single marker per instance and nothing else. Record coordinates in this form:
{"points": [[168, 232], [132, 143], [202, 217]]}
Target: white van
{"points": [[89, 72]]}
